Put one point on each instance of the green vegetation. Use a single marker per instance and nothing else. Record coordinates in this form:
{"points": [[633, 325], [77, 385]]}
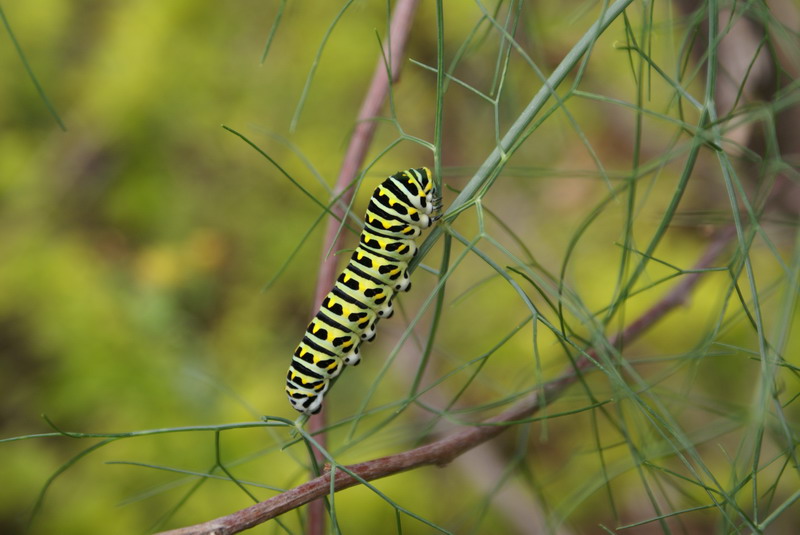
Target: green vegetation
{"points": [[156, 271]]}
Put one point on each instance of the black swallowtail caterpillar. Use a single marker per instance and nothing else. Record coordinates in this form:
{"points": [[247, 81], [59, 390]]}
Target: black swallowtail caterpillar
{"points": [[400, 208]]}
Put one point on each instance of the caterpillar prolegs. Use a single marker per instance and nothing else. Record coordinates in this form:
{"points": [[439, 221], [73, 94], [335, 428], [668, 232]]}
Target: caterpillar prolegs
{"points": [[400, 208]]}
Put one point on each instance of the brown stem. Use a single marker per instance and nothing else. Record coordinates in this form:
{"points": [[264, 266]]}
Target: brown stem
{"points": [[443, 451], [399, 30]]}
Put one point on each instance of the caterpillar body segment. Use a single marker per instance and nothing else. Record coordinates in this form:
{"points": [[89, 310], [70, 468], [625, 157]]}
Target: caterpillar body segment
{"points": [[400, 208], [320, 360], [333, 336], [387, 227], [376, 294], [383, 268], [400, 249], [352, 314]]}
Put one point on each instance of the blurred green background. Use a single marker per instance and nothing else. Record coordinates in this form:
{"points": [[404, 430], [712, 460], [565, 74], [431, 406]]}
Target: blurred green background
{"points": [[137, 244]]}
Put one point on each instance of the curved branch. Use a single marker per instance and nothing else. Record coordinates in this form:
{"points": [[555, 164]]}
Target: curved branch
{"points": [[443, 451]]}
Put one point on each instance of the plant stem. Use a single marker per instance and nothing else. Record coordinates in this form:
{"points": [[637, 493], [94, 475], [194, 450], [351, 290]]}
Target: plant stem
{"points": [[377, 93]]}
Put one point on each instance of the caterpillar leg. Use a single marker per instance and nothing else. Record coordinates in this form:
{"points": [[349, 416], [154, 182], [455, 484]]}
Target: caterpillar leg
{"points": [[353, 358], [369, 333]]}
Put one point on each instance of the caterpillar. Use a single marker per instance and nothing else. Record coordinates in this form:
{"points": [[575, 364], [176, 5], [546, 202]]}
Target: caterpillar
{"points": [[400, 208]]}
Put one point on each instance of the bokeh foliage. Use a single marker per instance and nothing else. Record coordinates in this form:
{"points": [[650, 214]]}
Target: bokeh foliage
{"points": [[139, 245]]}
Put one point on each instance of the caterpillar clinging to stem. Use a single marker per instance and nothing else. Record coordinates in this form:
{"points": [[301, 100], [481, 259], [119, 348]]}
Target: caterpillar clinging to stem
{"points": [[400, 208]]}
